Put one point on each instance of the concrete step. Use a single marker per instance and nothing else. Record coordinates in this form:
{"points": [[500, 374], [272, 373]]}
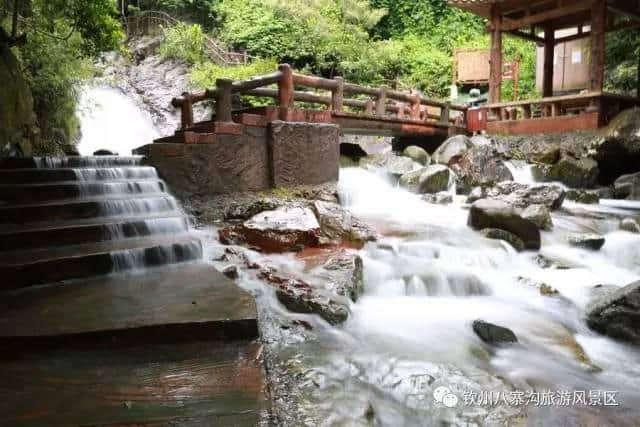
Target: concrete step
{"points": [[164, 300], [86, 208], [69, 162], [63, 234], [32, 176], [35, 267], [44, 192]]}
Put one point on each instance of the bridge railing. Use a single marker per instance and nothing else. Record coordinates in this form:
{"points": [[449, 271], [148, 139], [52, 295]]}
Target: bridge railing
{"points": [[374, 102]]}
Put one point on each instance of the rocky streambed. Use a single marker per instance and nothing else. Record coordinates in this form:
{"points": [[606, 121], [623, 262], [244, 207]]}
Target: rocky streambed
{"points": [[419, 293]]}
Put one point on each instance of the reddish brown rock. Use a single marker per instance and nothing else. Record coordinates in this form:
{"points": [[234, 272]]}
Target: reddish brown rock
{"points": [[281, 230]]}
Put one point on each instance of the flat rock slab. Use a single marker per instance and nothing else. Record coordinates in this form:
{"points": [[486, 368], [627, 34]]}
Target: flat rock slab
{"points": [[170, 299], [203, 383]]}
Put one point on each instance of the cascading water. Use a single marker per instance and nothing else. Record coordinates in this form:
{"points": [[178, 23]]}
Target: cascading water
{"points": [[112, 121], [429, 278]]}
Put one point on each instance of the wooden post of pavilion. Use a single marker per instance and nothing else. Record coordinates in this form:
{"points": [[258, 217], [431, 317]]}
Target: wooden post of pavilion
{"points": [[495, 74], [549, 54], [598, 32]]}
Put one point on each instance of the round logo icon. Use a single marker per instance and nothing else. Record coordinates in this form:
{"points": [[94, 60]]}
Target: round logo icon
{"points": [[445, 396]]}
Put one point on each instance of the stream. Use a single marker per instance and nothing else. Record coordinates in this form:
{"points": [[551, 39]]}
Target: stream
{"points": [[408, 344]]}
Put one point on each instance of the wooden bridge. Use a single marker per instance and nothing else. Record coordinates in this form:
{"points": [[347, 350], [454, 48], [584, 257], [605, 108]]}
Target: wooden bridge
{"points": [[374, 111]]}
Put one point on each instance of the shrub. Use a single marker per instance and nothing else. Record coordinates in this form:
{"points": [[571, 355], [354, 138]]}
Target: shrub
{"points": [[185, 43]]}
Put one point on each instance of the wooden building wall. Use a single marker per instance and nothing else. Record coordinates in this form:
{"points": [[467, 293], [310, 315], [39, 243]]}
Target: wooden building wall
{"points": [[571, 64]]}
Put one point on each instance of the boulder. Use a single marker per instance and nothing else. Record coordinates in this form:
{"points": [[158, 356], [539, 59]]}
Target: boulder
{"points": [[281, 230], [617, 314], [488, 213], [231, 272], [441, 198], [543, 288], [523, 195], [429, 179], [539, 215], [411, 180], [343, 274], [417, 154], [104, 152], [583, 196], [627, 187], [493, 334], [434, 179], [586, 241], [497, 234], [630, 225], [481, 140], [333, 284], [575, 173], [452, 148], [533, 149], [480, 166], [337, 225], [617, 150], [393, 164], [476, 193]]}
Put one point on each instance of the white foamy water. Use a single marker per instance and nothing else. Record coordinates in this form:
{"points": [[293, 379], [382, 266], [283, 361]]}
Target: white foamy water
{"points": [[430, 276], [522, 171], [112, 121]]}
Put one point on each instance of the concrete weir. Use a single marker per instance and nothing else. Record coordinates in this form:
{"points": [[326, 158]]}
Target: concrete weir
{"points": [[253, 158]]}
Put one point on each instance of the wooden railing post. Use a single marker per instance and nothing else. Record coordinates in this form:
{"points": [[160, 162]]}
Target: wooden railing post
{"points": [[415, 108], [526, 111], [445, 114], [381, 102], [368, 108], [337, 95], [285, 86], [186, 111], [223, 100]]}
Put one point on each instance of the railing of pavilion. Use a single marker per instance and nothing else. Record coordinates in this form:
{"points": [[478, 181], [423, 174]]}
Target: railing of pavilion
{"points": [[557, 106], [375, 101]]}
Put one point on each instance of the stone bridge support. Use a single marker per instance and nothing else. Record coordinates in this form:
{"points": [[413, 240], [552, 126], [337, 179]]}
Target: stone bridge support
{"points": [[260, 157]]}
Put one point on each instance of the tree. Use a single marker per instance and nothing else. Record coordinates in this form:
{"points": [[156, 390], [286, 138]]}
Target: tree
{"points": [[54, 41]]}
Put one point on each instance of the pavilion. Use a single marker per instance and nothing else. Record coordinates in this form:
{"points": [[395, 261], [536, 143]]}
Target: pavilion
{"points": [[539, 21]]}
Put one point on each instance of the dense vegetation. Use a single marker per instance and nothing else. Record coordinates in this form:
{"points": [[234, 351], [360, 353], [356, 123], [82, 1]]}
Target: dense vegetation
{"points": [[404, 43], [55, 41]]}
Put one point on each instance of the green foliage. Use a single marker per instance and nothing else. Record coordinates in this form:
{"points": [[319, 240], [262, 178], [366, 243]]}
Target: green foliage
{"points": [[61, 38], [54, 71], [316, 34], [204, 75], [623, 58], [184, 42], [95, 21]]}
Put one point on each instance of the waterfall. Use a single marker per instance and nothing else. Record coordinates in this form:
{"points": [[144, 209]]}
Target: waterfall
{"points": [[112, 121]]}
